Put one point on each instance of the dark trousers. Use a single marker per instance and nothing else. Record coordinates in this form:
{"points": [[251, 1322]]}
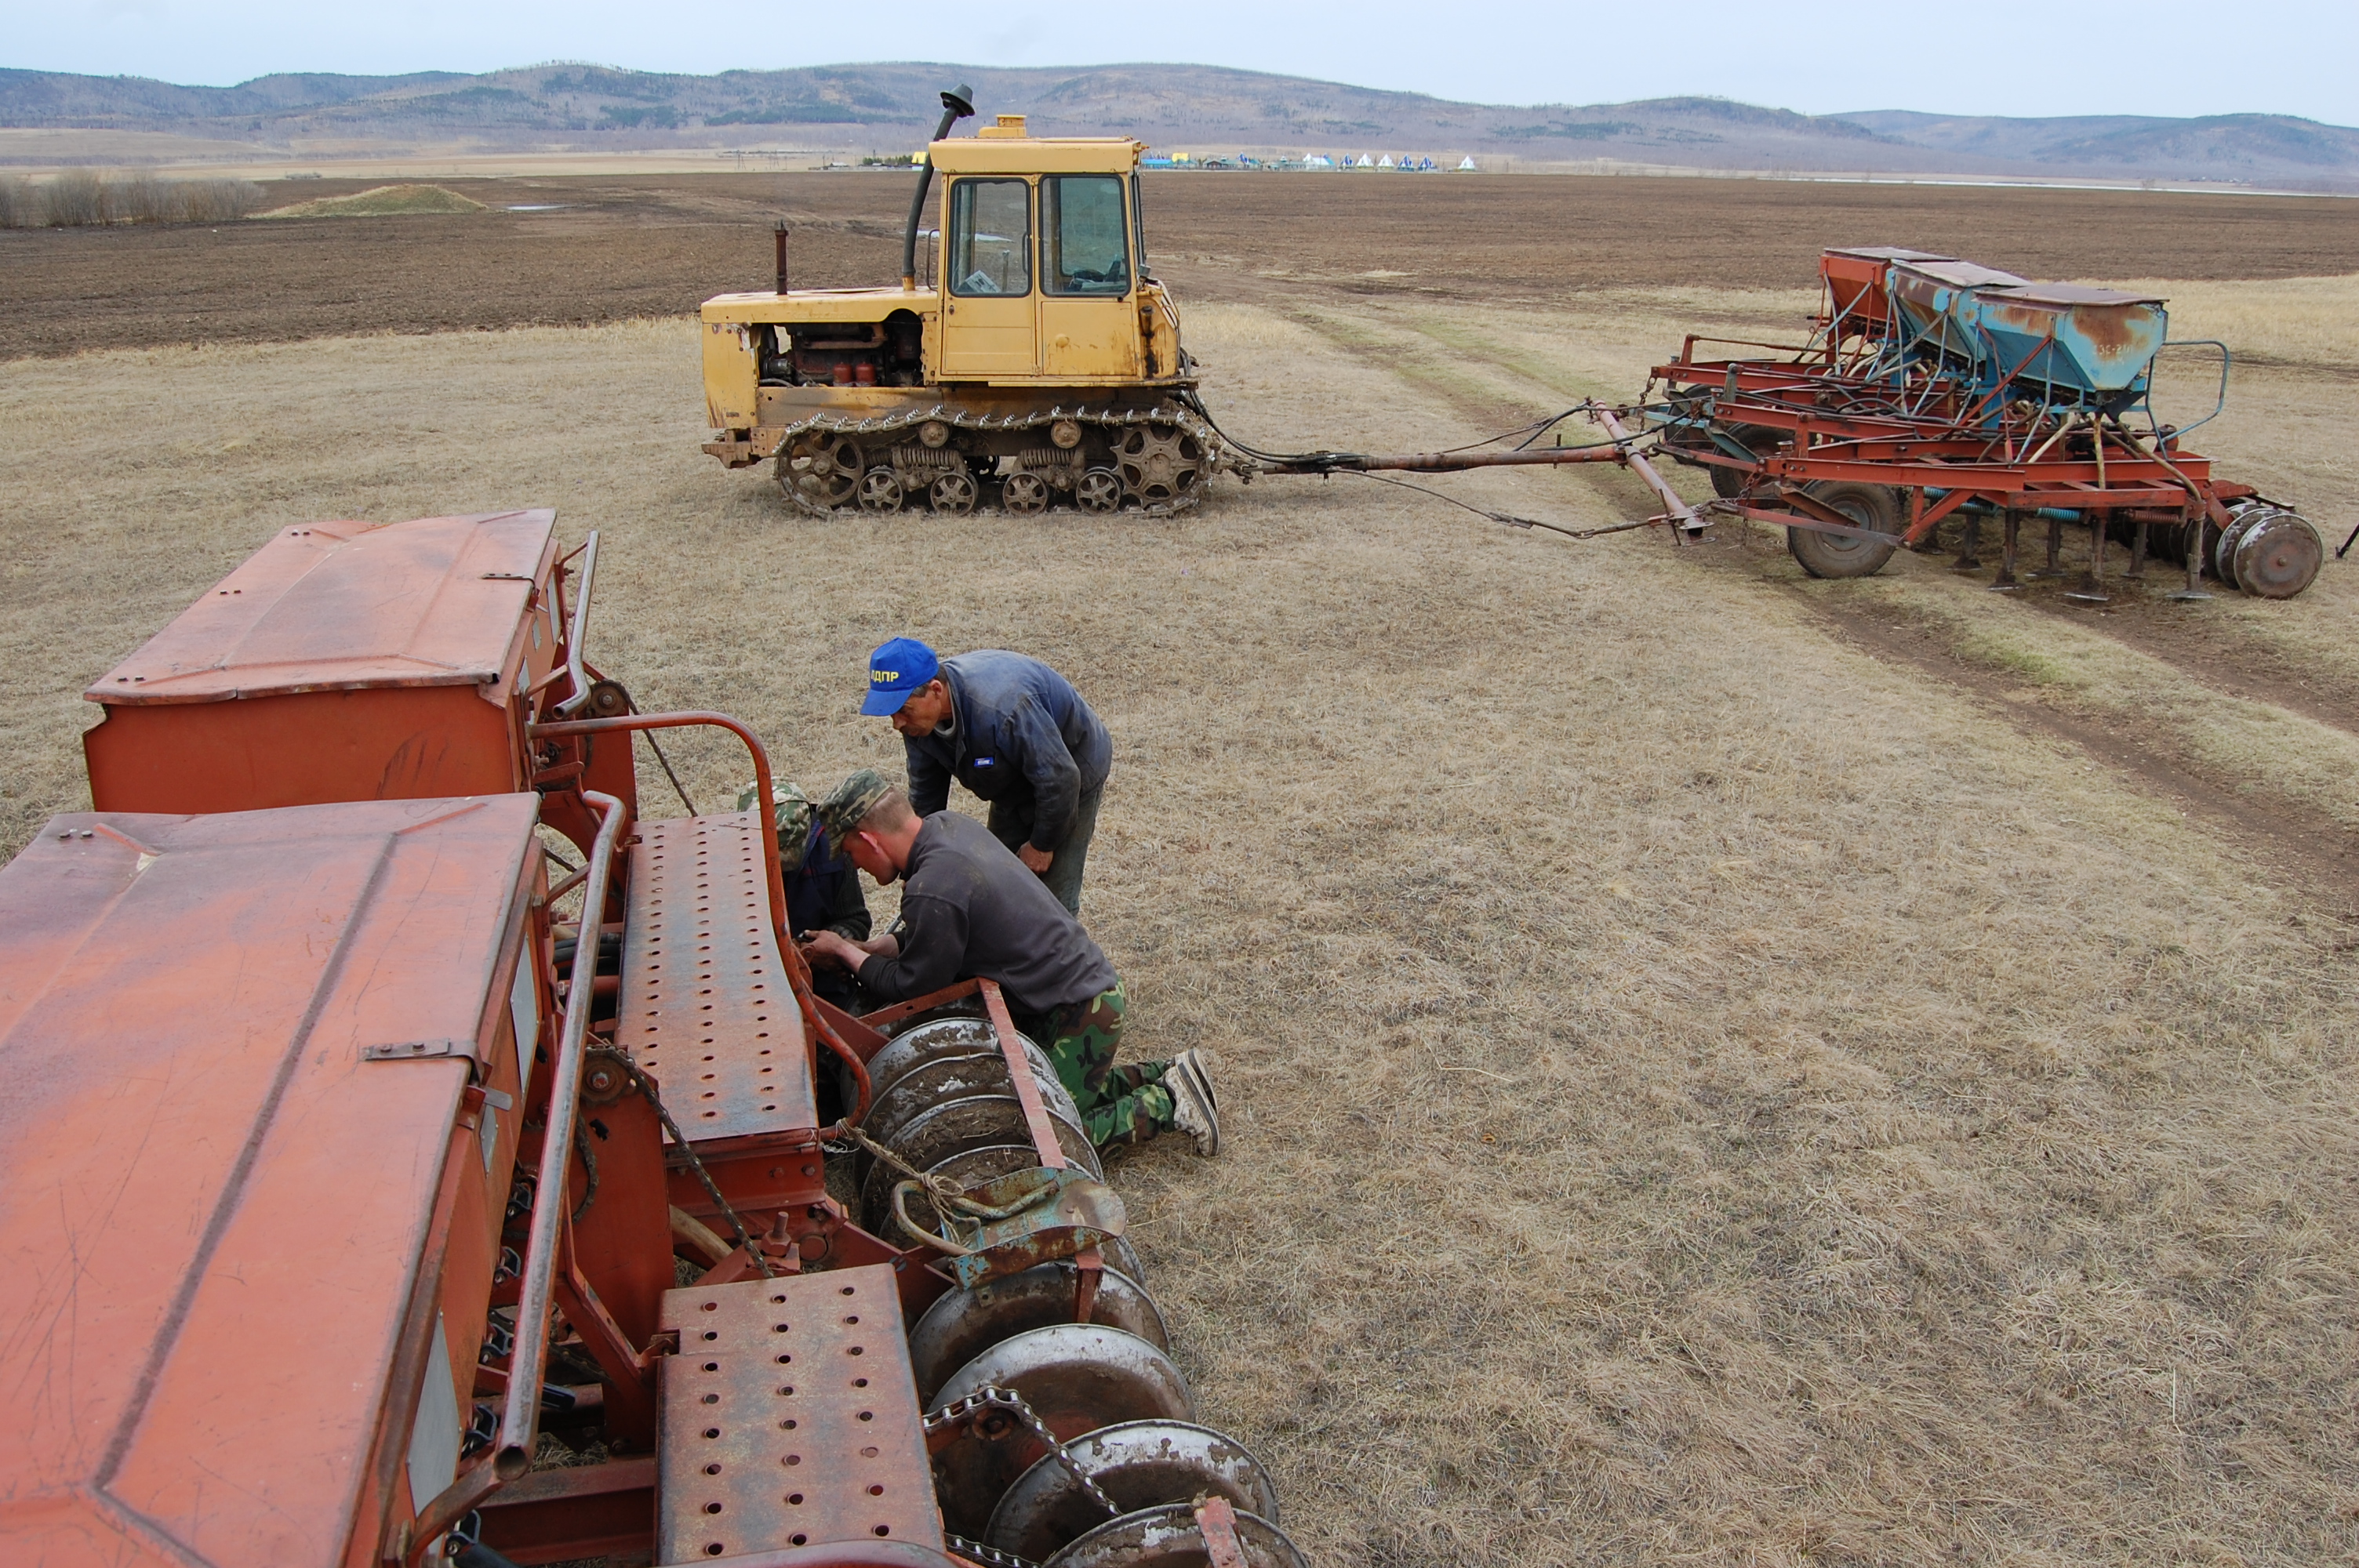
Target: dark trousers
{"points": [[1064, 875]]}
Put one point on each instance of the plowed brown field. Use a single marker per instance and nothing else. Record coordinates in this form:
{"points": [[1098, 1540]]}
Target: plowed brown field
{"points": [[611, 249]]}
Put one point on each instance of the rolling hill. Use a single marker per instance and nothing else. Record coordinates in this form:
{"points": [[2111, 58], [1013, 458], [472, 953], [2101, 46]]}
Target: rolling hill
{"points": [[1209, 109]]}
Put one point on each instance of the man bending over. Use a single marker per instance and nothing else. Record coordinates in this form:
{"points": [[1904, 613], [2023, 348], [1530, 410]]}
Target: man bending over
{"points": [[969, 908]]}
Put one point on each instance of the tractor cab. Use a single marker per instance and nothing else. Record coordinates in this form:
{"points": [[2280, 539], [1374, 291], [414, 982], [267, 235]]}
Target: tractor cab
{"points": [[1032, 301]]}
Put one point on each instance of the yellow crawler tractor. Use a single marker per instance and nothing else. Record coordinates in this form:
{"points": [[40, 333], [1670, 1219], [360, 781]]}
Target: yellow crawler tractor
{"points": [[1039, 365]]}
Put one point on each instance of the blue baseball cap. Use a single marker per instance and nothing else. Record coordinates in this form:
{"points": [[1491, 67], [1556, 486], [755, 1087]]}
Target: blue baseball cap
{"points": [[895, 670]]}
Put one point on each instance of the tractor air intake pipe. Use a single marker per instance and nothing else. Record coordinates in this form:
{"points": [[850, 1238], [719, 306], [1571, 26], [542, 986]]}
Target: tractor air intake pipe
{"points": [[957, 104], [781, 232]]}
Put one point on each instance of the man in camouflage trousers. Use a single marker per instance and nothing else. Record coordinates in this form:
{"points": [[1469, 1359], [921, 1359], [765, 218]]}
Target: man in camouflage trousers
{"points": [[969, 908], [1128, 1104]]}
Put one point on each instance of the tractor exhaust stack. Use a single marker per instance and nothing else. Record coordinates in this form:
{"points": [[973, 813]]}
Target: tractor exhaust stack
{"points": [[957, 104]]}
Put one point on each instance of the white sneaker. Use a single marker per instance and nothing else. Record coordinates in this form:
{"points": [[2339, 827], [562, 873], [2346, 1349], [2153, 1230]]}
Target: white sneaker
{"points": [[1195, 1110]]}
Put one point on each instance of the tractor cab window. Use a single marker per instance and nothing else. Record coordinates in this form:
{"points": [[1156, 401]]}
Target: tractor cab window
{"points": [[990, 237], [1083, 247]]}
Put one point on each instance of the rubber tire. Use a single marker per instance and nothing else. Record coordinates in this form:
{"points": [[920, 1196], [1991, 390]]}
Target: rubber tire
{"points": [[1875, 506], [1758, 439]]}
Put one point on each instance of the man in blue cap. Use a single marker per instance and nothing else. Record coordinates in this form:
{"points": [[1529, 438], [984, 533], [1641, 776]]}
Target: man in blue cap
{"points": [[1016, 733]]}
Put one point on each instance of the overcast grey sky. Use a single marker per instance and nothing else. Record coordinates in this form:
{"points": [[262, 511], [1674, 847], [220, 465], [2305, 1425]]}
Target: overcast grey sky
{"points": [[2002, 56]]}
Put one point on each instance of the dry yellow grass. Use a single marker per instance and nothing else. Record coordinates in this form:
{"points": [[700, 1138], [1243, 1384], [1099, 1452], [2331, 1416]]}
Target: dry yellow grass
{"points": [[381, 201], [1698, 1094]]}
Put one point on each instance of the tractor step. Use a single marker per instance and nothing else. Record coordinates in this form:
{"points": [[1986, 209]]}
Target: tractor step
{"points": [[704, 1005], [790, 1419]]}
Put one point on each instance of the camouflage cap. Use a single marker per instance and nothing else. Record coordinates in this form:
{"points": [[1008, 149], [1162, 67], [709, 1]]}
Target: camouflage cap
{"points": [[849, 801], [793, 812]]}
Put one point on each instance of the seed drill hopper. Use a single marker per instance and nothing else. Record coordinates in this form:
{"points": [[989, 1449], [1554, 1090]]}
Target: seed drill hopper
{"points": [[416, 1153], [1934, 387]]}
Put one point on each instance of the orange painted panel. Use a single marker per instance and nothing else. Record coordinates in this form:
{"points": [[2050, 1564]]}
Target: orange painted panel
{"points": [[217, 1200]]}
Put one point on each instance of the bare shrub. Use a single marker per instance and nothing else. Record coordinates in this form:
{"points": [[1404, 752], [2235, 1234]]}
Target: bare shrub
{"points": [[80, 197], [73, 197], [216, 201], [139, 199]]}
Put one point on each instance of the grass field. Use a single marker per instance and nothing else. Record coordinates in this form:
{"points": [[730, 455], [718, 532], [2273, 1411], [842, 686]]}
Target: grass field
{"points": [[1725, 1068]]}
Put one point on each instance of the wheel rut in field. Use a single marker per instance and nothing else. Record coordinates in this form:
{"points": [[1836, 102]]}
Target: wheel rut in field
{"points": [[2207, 650], [2299, 843]]}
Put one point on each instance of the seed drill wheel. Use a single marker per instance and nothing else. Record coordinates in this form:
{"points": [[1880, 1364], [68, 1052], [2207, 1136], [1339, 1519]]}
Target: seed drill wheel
{"points": [[1160, 466], [819, 470], [1167, 1538], [2241, 519], [962, 1324], [1077, 1377], [880, 490], [953, 494], [1024, 495], [918, 1043], [948, 1078], [955, 1127], [1100, 490], [2278, 556], [1833, 554], [1140, 1464]]}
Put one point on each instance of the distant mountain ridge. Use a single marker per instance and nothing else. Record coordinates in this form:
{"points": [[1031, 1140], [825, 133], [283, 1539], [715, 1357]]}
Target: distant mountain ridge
{"points": [[566, 105]]}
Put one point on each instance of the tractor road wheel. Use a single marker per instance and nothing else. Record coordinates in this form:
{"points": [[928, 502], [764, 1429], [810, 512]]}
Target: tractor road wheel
{"points": [[953, 494], [1024, 495], [1838, 555], [1100, 490], [880, 490]]}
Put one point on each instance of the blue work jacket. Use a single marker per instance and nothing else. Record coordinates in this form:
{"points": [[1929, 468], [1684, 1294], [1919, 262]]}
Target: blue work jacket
{"points": [[1021, 736]]}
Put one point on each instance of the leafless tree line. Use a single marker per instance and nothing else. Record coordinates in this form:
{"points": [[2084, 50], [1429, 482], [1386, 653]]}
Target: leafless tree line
{"points": [[78, 197]]}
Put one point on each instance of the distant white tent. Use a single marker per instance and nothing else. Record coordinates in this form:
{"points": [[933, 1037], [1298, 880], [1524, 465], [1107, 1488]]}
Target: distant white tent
{"points": [[1383, 162], [1364, 162], [1319, 160], [1466, 162]]}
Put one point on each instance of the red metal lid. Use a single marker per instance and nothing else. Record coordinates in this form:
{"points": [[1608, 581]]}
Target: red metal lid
{"points": [[215, 1203], [340, 606]]}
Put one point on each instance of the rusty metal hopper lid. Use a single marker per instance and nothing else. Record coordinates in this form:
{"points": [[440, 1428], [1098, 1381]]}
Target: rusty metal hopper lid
{"points": [[1885, 253], [215, 1203], [1963, 274], [2069, 294], [343, 606]]}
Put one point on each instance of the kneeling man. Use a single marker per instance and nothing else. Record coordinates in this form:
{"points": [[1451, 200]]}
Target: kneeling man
{"points": [[969, 908]]}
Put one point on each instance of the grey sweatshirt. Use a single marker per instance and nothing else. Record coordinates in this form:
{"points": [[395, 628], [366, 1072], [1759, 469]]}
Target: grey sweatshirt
{"points": [[969, 907]]}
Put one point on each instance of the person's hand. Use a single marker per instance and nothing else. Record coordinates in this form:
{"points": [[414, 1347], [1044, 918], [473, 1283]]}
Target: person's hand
{"points": [[830, 948], [1035, 860]]}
